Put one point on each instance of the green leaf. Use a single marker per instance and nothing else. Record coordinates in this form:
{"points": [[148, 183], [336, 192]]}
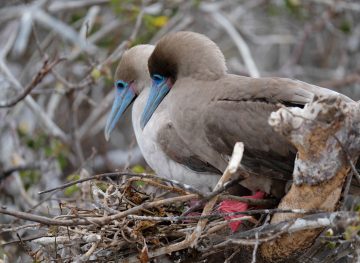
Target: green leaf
{"points": [[29, 177], [95, 74], [351, 231], [73, 177], [139, 184], [138, 169], [71, 190], [331, 245], [345, 26]]}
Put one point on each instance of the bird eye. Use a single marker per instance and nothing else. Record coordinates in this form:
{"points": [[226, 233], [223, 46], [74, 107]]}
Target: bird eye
{"points": [[120, 84], [157, 78]]}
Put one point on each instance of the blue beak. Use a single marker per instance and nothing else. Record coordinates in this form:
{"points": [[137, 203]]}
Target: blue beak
{"points": [[158, 92], [123, 99]]}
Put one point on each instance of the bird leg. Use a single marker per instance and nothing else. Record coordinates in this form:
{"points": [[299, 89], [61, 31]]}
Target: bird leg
{"points": [[232, 206]]}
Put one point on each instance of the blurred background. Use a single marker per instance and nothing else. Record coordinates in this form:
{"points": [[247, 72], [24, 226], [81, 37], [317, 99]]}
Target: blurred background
{"points": [[57, 60]]}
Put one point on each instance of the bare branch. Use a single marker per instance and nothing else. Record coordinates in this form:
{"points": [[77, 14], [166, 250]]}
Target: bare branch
{"points": [[53, 129], [46, 68], [235, 35]]}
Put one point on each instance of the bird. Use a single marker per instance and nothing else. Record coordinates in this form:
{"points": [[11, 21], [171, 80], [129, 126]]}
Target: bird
{"points": [[210, 110], [132, 85]]}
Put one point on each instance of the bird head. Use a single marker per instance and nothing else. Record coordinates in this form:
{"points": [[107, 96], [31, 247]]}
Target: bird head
{"points": [[181, 55], [131, 78]]}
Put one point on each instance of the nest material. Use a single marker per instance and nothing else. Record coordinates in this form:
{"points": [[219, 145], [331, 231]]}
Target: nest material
{"points": [[144, 227], [130, 237]]}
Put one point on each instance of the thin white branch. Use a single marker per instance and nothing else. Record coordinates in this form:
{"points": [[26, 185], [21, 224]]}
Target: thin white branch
{"points": [[63, 30], [53, 104], [120, 49], [341, 5], [60, 6], [232, 167], [47, 123], [101, 109], [24, 33], [96, 193], [255, 248], [89, 21], [44, 241], [10, 34], [235, 36], [86, 256], [106, 29], [236, 157]]}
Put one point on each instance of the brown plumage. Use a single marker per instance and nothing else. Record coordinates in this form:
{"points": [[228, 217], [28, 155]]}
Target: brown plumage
{"points": [[186, 167], [211, 110]]}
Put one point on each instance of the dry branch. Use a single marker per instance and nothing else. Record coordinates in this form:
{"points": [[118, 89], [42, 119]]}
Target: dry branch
{"points": [[124, 174], [320, 131], [46, 68]]}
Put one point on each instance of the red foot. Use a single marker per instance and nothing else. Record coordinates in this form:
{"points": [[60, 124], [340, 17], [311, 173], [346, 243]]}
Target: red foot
{"points": [[231, 206]]}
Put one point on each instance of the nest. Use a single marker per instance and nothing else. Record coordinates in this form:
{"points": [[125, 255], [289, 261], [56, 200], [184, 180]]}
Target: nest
{"points": [[125, 222]]}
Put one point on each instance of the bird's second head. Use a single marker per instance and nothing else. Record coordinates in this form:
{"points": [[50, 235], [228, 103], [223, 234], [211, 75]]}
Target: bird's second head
{"points": [[131, 77], [180, 55]]}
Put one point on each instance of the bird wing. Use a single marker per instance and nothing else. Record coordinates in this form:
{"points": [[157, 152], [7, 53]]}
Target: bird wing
{"points": [[239, 111], [175, 148]]}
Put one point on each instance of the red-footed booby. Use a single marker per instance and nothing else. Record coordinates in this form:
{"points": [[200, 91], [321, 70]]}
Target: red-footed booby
{"points": [[211, 110], [132, 84]]}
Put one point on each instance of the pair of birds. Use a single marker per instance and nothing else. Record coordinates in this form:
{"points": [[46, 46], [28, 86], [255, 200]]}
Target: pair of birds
{"points": [[188, 113]]}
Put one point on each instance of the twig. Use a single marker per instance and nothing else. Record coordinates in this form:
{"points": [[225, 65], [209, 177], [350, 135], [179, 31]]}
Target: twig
{"points": [[106, 219], [87, 255], [95, 220], [11, 170], [24, 33], [14, 229], [41, 219], [95, 194], [99, 111], [11, 32], [89, 21], [63, 240], [351, 6], [158, 185], [52, 128], [61, 6], [229, 259], [174, 21], [35, 81], [253, 260], [73, 86], [116, 54], [101, 176], [229, 171], [176, 219], [235, 36], [272, 231], [74, 127], [63, 30]]}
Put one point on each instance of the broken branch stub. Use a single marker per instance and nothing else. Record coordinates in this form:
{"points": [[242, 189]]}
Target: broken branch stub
{"points": [[320, 132], [326, 133]]}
